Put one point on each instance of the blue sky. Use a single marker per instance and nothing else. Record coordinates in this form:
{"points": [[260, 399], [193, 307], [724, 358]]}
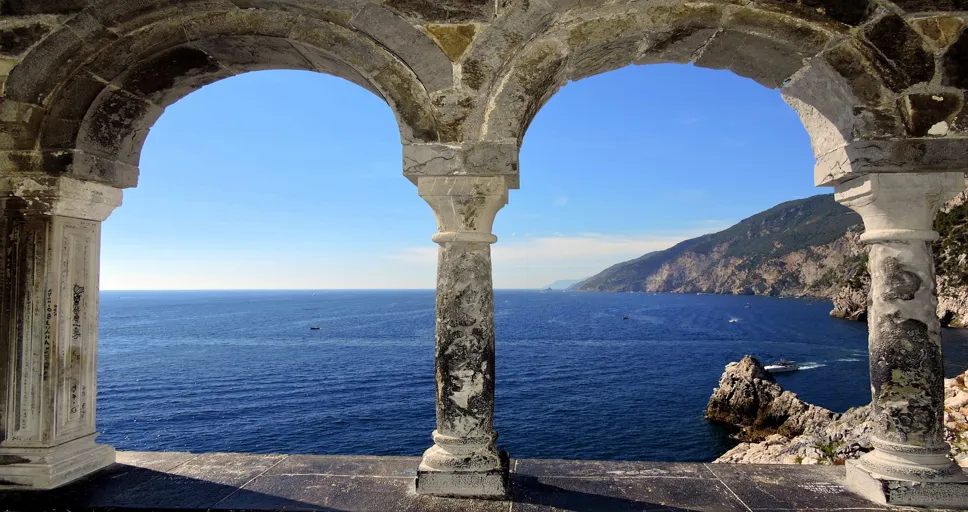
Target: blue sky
{"points": [[292, 179]]}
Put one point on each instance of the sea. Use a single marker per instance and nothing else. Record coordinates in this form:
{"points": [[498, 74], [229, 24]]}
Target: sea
{"points": [[608, 376]]}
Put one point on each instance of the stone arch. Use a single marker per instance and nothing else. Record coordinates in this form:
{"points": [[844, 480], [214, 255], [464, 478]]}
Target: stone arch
{"points": [[94, 94], [852, 73]]}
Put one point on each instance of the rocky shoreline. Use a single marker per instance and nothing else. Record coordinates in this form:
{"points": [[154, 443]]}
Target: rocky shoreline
{"points": [[776, 427]]}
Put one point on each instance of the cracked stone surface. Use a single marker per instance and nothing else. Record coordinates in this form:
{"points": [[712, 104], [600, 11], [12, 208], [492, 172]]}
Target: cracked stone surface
{"points": [[470, 72]]}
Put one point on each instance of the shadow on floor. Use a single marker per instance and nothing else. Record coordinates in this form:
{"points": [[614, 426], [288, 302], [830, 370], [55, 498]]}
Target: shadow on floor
{"points": [[122, 487], [529, 490]]}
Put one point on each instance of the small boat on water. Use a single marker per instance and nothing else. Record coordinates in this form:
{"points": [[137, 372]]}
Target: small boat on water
{"points": [[733, 320], [314, 328], [782, 366]]}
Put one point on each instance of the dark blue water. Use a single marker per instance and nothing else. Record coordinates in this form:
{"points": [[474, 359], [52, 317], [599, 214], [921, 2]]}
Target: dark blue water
{"points": [[242, 371]]}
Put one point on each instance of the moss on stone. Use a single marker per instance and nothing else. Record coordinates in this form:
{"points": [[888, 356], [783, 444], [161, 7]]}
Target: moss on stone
{"points": [[452, 39]]}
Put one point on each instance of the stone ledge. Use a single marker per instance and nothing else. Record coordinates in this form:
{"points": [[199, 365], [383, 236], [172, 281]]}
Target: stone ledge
{"points": [[903, 493], [232, 481]]}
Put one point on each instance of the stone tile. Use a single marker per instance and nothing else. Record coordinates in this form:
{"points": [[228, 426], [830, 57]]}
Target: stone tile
{"points": [[198, 483], [158, 461], [345, 493], [620, 494], [347, 466], [609, 469], [792, 487]]}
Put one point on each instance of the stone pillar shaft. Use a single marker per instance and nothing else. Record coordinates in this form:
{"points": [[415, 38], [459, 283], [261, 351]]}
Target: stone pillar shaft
{"points": [[907, 374], [464, 460], [50, 258]]}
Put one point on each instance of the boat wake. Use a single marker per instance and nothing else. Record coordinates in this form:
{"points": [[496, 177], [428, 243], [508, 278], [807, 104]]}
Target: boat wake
{"points": [[849, 360], [811, 366]]}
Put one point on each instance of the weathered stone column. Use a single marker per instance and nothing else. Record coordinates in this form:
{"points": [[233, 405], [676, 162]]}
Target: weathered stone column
{"points": [[50, 258], [909, 464], [464, 460]]}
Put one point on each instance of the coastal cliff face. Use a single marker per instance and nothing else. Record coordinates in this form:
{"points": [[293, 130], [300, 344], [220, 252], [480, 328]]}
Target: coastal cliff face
{"points": [[793, 249], [804, 248], [809, 434]]}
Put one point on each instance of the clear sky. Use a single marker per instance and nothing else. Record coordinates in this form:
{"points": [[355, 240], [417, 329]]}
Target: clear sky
{"points": [[292, 179]]}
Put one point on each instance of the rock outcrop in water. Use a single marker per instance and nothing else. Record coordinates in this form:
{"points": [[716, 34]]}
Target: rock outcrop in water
{"points": [[810, 434], [748, 397]]}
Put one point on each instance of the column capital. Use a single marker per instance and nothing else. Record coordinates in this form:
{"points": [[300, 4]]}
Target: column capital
{"points": [[899, 207], [483, 159], [63, 196], [465, 206]]}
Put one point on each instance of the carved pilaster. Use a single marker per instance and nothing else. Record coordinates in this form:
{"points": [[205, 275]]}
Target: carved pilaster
{"points": [[464, 460], [907, 374], [49, 256]]}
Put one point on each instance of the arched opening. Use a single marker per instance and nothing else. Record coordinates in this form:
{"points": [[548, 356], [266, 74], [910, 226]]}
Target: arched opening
{"points": [[103, 82], [267, 196], [820, 76], [627, 170]]}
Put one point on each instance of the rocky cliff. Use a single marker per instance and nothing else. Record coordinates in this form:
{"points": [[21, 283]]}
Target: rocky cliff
{"points": [[793, 249], [804, 248], [809, 434], [748, 397]]}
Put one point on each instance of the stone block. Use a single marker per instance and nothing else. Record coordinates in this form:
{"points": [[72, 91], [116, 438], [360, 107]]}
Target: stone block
{"points": [[951, 495], [19, 124], [50, 60], [444, 11], [76, 96], [900, 52], [762, 60], [823, 100], [601, 59], [128, 51], [48, 468], [170, 75], [117, 126], [932, 5], [250, 53], [16, 39], [335, 11], [852, 12], [86, 166], [326, 63], [538, 74], [24, 7], [59, 133], [679, 45], [466, 484], [131, 14], [955, 62], [481, 159], [930, 113], [942, 30], [453, 40], [425, 58], [806, 37], [890, 156]]}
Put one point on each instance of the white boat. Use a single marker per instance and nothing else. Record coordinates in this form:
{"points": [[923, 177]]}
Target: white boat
{"points": [[782, 366]]}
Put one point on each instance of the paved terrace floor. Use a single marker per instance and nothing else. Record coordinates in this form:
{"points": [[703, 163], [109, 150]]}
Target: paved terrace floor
{"points": [[230, 481]]}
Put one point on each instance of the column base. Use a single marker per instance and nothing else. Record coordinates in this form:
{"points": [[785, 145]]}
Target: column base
{"points": [[486, 484], [47, 468], [464, 467], [887, 491]]}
